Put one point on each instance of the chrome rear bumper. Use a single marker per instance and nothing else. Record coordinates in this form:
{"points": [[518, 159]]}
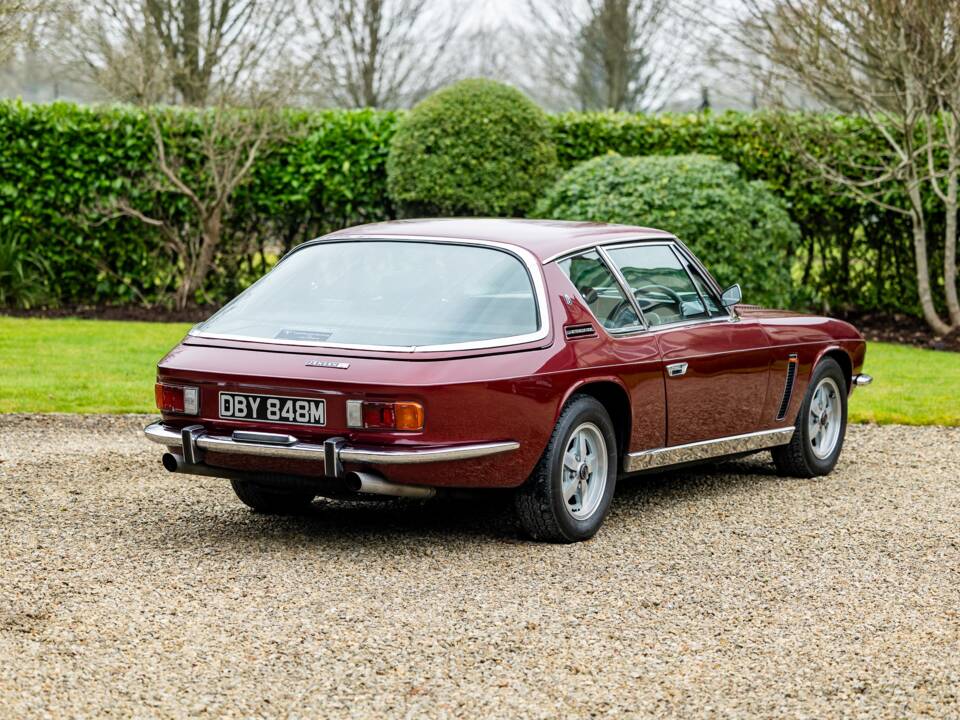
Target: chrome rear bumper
{"points": [[194, 439], [862, 379]]}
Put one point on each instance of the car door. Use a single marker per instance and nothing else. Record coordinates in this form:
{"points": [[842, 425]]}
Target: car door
{"points": [[715, 365]]}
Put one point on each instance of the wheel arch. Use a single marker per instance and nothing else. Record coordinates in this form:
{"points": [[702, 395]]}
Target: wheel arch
{"points": [[613, 395], [843, 360]]}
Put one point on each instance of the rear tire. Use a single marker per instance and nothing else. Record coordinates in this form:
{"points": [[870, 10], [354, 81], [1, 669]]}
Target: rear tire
{"points": [[568, 495], [272, 502], [820, 428]]}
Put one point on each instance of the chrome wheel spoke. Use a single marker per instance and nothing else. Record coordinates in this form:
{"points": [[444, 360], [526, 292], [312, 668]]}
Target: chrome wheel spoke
{"points": [[583, 471], [825, 421]]}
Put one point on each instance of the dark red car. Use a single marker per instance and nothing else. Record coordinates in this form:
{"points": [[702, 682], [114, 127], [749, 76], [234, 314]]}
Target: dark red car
{"points": [[413, 357]]}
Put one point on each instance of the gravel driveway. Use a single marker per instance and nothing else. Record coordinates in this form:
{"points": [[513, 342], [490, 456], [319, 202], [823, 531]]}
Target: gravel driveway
{"points": [[717, 592]]}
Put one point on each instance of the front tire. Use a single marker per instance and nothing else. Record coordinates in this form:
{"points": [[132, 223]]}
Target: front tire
{"points": [[272, 502], [568, 495], [820, 428]]}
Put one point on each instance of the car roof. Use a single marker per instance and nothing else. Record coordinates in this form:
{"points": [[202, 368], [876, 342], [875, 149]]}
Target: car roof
{"points": [[545, 239]]}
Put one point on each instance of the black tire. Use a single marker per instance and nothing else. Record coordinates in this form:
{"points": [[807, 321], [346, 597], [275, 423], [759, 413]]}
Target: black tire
{"points": [[797, 459], [539, 503], [272, 502]]}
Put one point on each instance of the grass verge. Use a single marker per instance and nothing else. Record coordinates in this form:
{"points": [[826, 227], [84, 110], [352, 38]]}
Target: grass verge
{"points": [[81, 366], [103, 366]]}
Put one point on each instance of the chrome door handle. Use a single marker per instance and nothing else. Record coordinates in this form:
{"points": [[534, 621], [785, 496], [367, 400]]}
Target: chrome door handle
{"points": [[677, 369]]}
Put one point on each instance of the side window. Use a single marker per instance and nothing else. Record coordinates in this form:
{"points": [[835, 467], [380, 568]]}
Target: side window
{"points": [[713, 307], [659, 282], [600, 291]]}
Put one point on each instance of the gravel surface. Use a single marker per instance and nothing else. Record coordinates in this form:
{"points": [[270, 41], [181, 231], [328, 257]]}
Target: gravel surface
{"points": [[719, 592]]}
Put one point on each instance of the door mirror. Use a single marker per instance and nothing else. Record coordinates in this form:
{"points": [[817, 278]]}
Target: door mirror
{"points": [[731, 296]]}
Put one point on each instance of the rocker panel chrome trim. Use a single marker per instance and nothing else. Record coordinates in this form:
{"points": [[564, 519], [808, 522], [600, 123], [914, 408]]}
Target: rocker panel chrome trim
{"points": [[706, 449]]}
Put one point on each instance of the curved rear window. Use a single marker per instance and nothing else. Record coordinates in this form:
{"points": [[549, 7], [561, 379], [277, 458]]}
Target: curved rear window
{"points": [[385, 293]]}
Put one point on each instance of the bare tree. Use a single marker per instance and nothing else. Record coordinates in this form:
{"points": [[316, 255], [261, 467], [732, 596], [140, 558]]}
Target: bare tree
{"points": [[17, 23], [229, 141], [609, 54], [381, 53], [895, 63], [221, 55], [189, 52]]}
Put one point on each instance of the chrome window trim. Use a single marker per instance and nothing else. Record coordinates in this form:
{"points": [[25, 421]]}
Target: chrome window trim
{"points": [[605, 261], [689, 269], [529, 261], [594, 243], [624, 285], [671, 242], [674, 244], [658, 238], [708, 278]]}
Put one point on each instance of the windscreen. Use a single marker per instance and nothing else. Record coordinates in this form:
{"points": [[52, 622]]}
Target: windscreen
{"points": [[385, 293]]}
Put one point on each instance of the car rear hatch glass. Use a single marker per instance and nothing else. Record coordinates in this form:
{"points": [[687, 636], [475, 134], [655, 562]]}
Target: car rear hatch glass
{"points": [[383, 294]]}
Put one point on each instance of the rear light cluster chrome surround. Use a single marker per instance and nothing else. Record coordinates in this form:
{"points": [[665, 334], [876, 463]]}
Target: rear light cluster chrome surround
{"points": [[368, 415], [181, 399]]}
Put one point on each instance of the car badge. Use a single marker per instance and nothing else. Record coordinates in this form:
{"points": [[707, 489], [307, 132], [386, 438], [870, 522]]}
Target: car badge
{"points": [[328, 364]]}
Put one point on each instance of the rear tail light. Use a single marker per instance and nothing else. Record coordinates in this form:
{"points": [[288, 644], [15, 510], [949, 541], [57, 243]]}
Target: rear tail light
{"points": [[385, 415], [183, 399]]}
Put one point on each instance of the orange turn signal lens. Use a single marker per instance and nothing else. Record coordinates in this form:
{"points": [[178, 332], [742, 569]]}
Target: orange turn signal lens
{"points": [[409, 415], [384, 415]]}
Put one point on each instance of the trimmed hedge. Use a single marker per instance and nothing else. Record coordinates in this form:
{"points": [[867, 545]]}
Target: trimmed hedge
{"points": [[59, 162], [851, 254], [477, 147], [739, 228]]}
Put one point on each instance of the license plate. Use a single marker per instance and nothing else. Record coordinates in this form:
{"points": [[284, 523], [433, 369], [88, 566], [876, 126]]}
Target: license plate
{"points": [[272, 408]]}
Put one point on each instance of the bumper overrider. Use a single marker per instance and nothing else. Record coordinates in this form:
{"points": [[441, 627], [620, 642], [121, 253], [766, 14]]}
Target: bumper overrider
{"points": [[188, 446]]}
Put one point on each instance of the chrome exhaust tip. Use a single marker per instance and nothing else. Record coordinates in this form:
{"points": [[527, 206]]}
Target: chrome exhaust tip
{"points": [[171, 462], [371, 484]]}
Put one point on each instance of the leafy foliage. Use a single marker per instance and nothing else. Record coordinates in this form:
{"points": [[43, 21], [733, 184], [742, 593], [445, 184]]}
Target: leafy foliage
{"points": [[60, 165], [23, 275], [475, 148], [850, 254], [738, 228]]}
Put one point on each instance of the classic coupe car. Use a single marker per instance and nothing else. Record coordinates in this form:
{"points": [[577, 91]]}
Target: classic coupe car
{"points": [[417, 357]]}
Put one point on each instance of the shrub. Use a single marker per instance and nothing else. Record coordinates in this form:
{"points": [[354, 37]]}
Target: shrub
{"points": [[475, 148], [739, 228], [23, 276], [60, 164]]}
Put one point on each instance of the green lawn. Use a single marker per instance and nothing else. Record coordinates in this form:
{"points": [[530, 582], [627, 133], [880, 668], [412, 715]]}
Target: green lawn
{"points": [[910, 386], [88, 366], [104, 366]]}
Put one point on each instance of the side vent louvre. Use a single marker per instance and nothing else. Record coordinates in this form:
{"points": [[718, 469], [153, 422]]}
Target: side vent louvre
{"points": [[574, 332], [788, 387]]}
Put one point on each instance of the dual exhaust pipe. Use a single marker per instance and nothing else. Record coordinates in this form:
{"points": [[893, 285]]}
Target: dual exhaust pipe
{"points": [[356, 482]]}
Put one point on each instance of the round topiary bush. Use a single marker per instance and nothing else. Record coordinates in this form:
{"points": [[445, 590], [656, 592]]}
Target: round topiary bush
{"points": [[475, 148], [739, 228]]}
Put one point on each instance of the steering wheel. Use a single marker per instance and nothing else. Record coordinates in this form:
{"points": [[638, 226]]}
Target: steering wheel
{"points": [[669, 292], [616, 317]]}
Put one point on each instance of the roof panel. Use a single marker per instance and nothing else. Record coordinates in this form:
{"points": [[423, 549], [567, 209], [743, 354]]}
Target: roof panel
{"points": [[543, 238]]}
